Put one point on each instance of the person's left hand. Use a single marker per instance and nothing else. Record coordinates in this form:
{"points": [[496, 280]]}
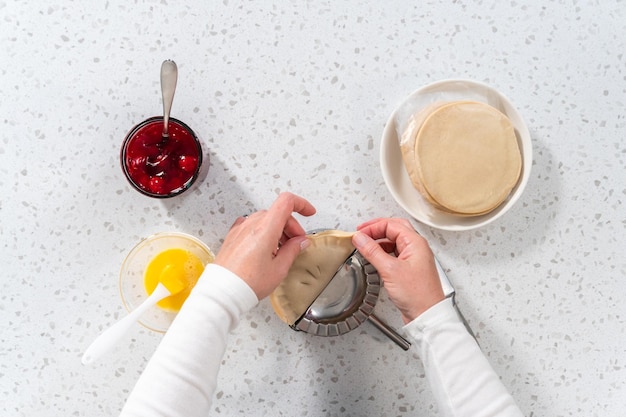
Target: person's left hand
{"points": [[261, 248]]}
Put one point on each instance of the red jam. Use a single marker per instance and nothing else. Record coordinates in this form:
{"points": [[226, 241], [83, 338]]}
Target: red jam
{"points": [[157, 166]]}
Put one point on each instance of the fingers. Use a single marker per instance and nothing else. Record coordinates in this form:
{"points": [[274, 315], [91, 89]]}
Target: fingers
{"points": [[369, 222], [288, 253], [404, 222], [391, 235], [293, 228], [238, 221], [278, 220], [372, 251], [387, 245], [283, 207], [377, 228], [391, 229]]}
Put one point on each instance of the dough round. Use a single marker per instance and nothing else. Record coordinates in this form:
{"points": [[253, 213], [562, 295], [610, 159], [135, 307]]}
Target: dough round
{"points": [[467, 157]]}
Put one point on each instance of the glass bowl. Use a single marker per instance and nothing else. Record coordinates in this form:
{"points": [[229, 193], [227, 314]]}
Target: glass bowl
{"points": [[161, 167], [131, 281]]}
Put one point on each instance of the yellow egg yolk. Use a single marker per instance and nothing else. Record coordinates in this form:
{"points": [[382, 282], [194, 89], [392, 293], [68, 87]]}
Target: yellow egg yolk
{"points": [[173, 267]]}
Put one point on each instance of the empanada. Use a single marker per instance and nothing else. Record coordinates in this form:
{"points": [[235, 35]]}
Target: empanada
{"points": [[310, 273]]}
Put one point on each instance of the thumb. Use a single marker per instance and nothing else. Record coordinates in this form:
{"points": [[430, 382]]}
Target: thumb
{"points": [[290, 250], [370, 250]]}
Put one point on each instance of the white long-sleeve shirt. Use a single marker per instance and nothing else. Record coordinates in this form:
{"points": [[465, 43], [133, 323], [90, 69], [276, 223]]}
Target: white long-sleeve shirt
{"points": [[462, 380], [181, 376]]}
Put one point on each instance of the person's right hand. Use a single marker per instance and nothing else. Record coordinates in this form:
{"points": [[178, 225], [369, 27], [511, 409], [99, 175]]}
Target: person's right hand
{"points": [[410, 277]]}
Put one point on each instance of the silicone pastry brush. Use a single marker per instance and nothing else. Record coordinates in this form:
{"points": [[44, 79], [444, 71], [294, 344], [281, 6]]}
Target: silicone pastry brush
{"points": [[171, 282]]}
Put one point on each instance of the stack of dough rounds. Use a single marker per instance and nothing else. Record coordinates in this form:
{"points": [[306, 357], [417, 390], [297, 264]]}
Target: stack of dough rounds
{"points": [[310, 273], [462, 156]]}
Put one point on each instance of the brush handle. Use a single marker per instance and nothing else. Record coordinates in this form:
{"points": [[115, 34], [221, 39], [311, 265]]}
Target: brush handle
{"points": [[113, 334]]}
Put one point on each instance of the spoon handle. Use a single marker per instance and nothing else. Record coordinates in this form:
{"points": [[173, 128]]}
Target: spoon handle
{"points": [[169, 77], [109, 337]]}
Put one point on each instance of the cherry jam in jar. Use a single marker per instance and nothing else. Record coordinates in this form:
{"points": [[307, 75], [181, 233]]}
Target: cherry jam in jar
{"points": [[157, 166]]}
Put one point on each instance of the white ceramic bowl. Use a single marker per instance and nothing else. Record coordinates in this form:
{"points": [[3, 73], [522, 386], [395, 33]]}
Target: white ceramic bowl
{"points": [[397, 179], [132, 289]]}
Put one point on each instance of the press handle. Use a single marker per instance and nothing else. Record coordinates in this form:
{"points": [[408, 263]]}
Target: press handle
{"points": [[389, 332]]}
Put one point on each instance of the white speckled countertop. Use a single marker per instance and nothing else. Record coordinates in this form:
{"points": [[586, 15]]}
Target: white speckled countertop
{"points": [[294, 96]]}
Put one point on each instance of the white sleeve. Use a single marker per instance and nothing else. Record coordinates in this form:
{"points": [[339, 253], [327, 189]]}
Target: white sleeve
{"points": [[462, 380], [180, 378]]}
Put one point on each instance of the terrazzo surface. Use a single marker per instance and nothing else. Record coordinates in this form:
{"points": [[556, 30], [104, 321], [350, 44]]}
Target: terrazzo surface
{"points": [[293, 96]]}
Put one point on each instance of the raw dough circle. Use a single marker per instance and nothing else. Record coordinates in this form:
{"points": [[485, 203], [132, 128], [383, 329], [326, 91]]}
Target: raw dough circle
{"points": [[467, 157]]}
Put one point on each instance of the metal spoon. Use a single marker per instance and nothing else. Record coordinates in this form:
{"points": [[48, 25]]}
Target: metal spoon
{"points": [[169, 76]]}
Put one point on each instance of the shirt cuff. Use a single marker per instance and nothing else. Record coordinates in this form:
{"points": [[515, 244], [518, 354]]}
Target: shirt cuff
{"points": [[441, 312], [217, 279]]}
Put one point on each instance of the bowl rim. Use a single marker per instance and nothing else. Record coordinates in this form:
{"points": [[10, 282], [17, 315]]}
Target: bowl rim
{"points": [[188, 184], [134, 250], [391, 171]]}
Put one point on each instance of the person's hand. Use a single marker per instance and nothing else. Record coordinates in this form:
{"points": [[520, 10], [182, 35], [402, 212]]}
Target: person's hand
{"points": [[410, 277], [260, 248]]}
